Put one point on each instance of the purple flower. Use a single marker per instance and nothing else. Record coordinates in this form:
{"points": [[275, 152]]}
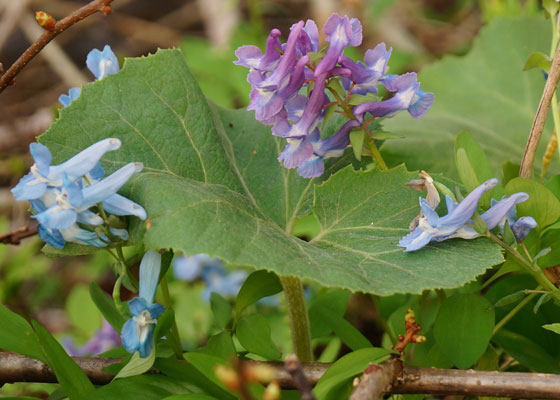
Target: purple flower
{"points": [[326, 148], [103, 340], [252, 57], [367, 77], [522, 227], [341, 32], [408, 96]]}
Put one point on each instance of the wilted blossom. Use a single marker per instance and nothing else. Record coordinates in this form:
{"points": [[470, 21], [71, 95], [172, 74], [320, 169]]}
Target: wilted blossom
{"points": [[212, 271], [138, 332], [62, 195], [101, 64], [279, 96], [103, 340], [457, 223]]}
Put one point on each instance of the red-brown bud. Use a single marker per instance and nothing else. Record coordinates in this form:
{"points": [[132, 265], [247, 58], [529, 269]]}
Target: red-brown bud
{"points": [[46, 20]]}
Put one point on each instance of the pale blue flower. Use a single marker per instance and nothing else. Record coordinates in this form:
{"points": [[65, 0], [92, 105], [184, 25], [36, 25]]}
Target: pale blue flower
{"points": [[101, 64], [522, 227], [433, 228], [138, 332]]}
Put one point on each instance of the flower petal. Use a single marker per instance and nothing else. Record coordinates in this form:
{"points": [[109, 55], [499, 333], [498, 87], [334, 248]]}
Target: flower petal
{"points": [[149, 275], [129, 336], [101, 190], [119, 205]]}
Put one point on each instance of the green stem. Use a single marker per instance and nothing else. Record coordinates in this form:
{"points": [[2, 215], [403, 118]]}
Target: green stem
{"points": [[513, 311], [535, 271], [117, 295], [175, 338], [299, 320], [375, 152], [554, 102]]}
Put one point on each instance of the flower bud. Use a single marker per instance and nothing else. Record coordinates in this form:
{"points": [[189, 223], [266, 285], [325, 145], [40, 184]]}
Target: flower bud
{"points": [[45, 20]]}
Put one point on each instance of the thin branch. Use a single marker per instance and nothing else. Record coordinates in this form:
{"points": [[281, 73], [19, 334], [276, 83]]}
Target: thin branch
{"points": [[294, 368], [376, 380], [540, 117], [15, 237], [17, 368], [102, 6]]}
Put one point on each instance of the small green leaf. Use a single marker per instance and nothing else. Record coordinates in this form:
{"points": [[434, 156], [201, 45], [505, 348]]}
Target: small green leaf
{"points": [[107, 307], [333, 301], [538, 60], [257, 285], [472, 165], [137, 365], [337, 87], [551, 7], [16, 335], [221, 345], [349, 335], [344, 369], [164, 323], [199, 371], [463, 328], [357, 140], [543, 299], [253, 332], [70, 376], [192, 396], [82, 311], [383, 135], [357, 99], [221, 309], [553, 327], [510, 298], [542, 204], [527, 352]]}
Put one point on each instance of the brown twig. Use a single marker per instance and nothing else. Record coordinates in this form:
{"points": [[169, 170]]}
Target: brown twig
{"points": [[16, 236], [540, 117], [17, 368], [294, 368], [411, 332], [102, 6], [376, 380]]}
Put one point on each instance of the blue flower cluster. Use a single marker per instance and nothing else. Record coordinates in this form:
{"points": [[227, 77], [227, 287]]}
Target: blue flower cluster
{"points": [[62, 195], [458, 223], [101, 64], [138, 332], [278, 76], [212, 272]]}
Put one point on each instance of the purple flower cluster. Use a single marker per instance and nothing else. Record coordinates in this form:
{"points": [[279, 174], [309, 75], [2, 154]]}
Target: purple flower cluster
{"points": [[278, 76]]}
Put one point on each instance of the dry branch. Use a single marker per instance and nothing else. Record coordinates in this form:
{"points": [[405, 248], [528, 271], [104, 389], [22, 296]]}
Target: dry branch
{"points": [[540, 117], [17, 368], [16, 236], [102, 6]]}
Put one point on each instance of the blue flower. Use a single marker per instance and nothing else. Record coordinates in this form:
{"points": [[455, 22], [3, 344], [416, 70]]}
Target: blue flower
{"points": [[408, 96], [433, 228], [101, 64], [341, 32], [43, 174], [213, 273], [103, 340], [138, 332], [522, 227], [252, 57]]}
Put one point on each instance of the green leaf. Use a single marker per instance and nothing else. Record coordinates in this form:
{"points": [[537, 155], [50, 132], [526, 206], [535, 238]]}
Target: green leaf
{"points": [[199, 371], [344, 369], [538, 60], [137, 365], [145, 387], [16, 335], [527, 352], [474, 93], [73, 380], [221, 345], [193, 396], [333, 301], [257, 285], [107, 307], [82, 311], [511, 298], [221, 309], [464, 327], [212, 184], [553, 327], [253, 332], [349, 335], [542, 205], [473, 166], [357, 141]]}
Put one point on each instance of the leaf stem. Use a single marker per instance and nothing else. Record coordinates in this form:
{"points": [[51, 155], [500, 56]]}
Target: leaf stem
{"points": [[513, 311], [175, 338], [535, 271], [299, 320], [374, 150]]}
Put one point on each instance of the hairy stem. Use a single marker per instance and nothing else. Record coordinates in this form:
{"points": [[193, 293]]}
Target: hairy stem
{"points": [[299, 320]]}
